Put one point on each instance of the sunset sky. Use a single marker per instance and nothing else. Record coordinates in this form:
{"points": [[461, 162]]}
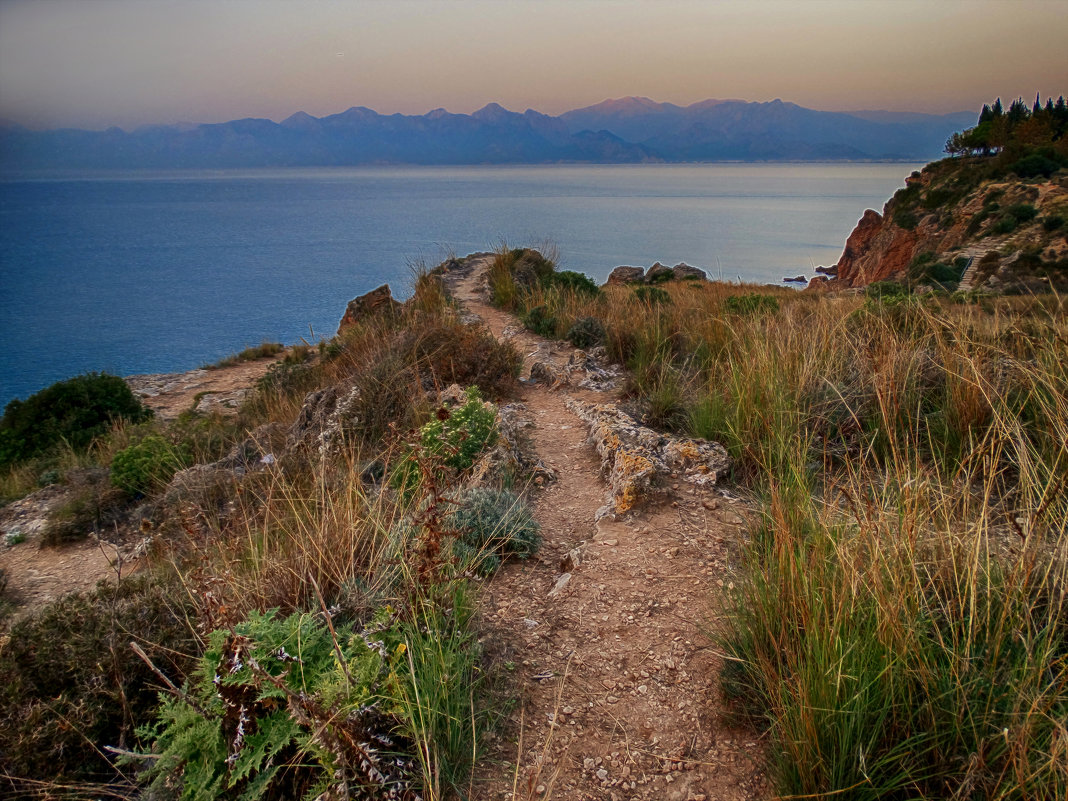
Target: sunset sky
{"points": [[96, 63]]}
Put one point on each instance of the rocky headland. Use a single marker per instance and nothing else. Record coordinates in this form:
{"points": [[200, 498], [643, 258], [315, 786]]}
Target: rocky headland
{"points": [[997, 235], [992, 217]]}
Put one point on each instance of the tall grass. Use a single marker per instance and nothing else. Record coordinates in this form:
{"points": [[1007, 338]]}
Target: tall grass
{"points": [[903, 630]]}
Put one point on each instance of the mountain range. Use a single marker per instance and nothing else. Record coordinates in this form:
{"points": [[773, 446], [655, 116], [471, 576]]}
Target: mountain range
{"points": [[627, 130]]}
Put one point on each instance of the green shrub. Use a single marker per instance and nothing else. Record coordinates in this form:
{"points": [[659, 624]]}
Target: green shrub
{"points": [[1022, 212], [493, 523], [578, 283], [926, 269], [288, 709], [906, 218], [459, 436], [586, 332], [1035, 165], [49, 477], [541, 321], [73, 412], [1004, 225], [751, 303], [454, 439], [937, 198], [147, 466], [652, 295], [1053, 222], [70, 683]]}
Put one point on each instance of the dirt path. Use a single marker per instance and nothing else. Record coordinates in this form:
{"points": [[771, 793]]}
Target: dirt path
{"points": [[205, 390], [617, 682], [37, 575]]}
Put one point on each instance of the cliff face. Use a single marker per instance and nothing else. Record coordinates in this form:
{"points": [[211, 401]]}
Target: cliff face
{"points": [[948, 228]]}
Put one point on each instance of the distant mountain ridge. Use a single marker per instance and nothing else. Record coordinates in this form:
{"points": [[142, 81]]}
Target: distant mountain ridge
{"points": [[625, 130]]}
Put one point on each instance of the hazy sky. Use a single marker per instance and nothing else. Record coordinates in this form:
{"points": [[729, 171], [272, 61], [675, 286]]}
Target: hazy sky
{"points": [[95, 63]]}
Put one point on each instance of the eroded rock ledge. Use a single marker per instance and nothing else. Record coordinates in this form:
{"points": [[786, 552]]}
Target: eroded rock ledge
{"points": [[638, 461]]}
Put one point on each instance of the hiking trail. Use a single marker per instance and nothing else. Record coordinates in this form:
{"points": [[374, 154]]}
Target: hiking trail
{"points": [[616, 676]]}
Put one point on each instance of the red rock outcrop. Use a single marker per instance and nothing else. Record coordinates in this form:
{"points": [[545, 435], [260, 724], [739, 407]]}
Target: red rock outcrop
{"points": [[876, 250], [377, 301], [957, 224]]}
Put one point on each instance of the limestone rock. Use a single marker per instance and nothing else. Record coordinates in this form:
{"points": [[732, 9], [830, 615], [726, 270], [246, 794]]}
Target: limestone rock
{"points": [[597, 374], [684, 271], [514, 453], [627, 275], [657, 273], [377, 301], [546, 373], [637, 459]]}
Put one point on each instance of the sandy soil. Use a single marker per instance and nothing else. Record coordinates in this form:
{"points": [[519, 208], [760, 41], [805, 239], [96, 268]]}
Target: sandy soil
{"points": [[222, 388], [36, 575], [615, 672]]}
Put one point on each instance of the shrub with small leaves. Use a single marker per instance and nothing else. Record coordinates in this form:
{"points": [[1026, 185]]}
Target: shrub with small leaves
{"points": [[74, 412], [459, 436], [147, 465], [652, 295], [541, 321], [751, 303], [493, 523], [586, 332], [579, 283], [454, 439]]}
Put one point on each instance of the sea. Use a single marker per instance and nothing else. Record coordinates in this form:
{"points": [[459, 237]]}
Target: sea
{"points": [[146, 272]]}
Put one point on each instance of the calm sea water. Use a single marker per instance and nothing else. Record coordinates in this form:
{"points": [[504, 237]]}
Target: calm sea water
{"points": [[152, 272]]}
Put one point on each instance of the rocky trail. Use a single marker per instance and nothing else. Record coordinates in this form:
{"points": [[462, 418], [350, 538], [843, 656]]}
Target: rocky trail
{"points": [[603, 632]]}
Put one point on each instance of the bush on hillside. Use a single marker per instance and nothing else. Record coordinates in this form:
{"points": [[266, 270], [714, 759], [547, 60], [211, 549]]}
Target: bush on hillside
{"points": [[541, 321], [586, 332], [493, 523], [70, 683], [578, 283], [465, 354], [73, 412], [652, 295], [147, 465], [751, 303]]}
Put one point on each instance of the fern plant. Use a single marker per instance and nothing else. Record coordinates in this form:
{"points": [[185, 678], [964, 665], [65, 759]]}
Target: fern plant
{"points": [[286, 709]]}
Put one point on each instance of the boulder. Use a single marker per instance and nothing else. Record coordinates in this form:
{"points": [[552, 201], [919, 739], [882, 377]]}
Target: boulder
{"points": [[657, 273], [627, 275], [684, 271], [799, 279], [377, 301]]}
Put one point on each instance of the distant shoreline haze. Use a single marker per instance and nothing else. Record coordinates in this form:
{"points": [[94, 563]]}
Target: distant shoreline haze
{"points": [[624, 131]]}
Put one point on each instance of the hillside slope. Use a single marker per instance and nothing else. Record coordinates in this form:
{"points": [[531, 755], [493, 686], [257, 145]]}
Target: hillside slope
{"points": [[994, 216]]}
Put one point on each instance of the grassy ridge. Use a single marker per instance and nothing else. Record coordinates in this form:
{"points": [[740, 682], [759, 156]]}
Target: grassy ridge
{"points": [[904, 631], [315, 624]]}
